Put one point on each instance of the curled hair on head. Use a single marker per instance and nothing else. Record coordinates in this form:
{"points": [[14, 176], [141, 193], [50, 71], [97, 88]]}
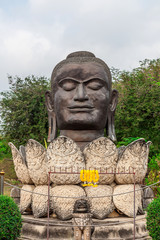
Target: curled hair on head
{"points": [[80, 57], [80, 54]]}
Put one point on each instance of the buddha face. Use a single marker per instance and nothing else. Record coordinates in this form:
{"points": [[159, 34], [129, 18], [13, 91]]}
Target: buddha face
{"points": [[81, 96]]}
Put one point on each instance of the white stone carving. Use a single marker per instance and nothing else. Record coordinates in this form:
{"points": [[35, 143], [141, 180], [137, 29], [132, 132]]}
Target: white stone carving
{"points": [[63, 207], [33, 162], [26, 197], [36, 161], [40, 202], [134, 158], [125, 202], [63, 153], [20, 166], [102, 154], [101, 206]]}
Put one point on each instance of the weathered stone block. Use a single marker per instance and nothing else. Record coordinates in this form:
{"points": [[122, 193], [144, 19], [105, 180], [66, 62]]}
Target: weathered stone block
{"points": [[63, 207], [133, 158], [101, 206], [102, 154], [20, 165], [36, 161], [40, 202], [15, 194], [26, 197], [63, 153], [125, 202], [148, 197]]}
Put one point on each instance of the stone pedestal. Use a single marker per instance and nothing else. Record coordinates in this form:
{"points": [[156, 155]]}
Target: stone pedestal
{"points": [[111, 228]]}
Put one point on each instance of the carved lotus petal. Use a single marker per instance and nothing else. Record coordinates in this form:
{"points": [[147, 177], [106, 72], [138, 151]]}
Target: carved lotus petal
{"points": [[36, 161], [26, 197], [134, 158], [100, 207], [40, 202], [20, 166], [64, 155], [102, 154], [63, 207], [125, 202]]}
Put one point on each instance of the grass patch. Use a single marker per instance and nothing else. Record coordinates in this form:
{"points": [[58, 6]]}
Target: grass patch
{"points": [[8, 167]]}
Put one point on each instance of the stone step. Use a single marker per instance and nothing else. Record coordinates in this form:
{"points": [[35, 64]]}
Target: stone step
{"points": [[120, 228]]}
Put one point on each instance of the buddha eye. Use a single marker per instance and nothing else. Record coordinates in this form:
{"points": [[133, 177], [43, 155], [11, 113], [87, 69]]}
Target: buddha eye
{"points": [[95, 84], [67, 84]]}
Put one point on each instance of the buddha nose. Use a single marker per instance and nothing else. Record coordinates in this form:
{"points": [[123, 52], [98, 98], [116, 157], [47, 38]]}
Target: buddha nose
{"points": [[81, 94]]}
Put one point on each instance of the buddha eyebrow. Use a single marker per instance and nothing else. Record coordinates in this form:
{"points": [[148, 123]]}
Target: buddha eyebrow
{"points": [[69, 79], [94, 79], [85, 81]]}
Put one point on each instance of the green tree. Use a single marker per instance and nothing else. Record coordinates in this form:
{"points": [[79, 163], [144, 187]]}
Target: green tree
{"points": [[23, 111], [138, 110], [4, 149]]}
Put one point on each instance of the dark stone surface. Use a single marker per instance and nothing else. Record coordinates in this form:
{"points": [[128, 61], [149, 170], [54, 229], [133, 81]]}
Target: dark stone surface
{"points": [[124, 233], [81, 102], [148, 196], [15, 194], [35, 229]]}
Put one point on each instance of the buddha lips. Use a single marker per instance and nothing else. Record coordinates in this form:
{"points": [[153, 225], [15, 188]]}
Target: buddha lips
{"points": [[89, 177]]}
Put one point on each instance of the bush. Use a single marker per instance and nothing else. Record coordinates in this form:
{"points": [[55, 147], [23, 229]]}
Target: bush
{"points": [[10, 219], [153, 219]]}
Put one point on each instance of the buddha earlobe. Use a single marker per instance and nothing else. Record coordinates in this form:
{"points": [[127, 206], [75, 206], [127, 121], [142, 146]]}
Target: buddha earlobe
{"points": [[52, 132], [110, 118]]}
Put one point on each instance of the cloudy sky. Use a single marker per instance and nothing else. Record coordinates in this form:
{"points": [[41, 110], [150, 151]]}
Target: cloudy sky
{"points": [[37, 34]]}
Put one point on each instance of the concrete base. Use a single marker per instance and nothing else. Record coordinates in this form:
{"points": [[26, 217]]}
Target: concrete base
{"points": [[111, 228]]}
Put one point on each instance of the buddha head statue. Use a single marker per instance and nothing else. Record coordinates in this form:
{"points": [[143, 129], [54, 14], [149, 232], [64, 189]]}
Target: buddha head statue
{"points": [[81, 98]]}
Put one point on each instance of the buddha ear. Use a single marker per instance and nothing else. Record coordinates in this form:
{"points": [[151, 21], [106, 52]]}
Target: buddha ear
{"points": [[110, 118], [114, 100], [52, 132]]}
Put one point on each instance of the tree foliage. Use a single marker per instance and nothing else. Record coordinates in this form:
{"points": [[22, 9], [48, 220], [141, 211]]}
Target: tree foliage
{"points": [[10, 219], [24, 115], [4, 149], [138, 110], [23, 111]]}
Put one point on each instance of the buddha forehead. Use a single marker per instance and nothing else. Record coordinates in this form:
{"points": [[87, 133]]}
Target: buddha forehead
{"points": [[81, 71]]}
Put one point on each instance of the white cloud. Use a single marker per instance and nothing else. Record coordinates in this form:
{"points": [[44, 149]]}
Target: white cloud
{"points": [[26, 43], [35, 36]]}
